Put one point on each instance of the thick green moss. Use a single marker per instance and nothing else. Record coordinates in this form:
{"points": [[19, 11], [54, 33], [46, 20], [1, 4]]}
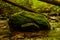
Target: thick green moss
{"points": [[28, 22]]}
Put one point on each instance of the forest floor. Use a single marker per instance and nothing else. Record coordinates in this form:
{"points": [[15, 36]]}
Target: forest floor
{"points": [[54, 33]]}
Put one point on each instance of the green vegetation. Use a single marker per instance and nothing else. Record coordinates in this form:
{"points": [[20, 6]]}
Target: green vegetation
{"points": [[34, 12]]}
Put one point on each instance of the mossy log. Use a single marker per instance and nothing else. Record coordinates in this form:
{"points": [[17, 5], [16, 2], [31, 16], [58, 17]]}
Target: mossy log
{"points": [[28, 22]]}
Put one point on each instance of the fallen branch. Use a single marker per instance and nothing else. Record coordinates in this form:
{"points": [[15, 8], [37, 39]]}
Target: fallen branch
{"points": [[20, 6]]}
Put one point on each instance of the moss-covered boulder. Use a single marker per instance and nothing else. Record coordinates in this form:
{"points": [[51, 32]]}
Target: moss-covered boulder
{"points": [[28, 22]]}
